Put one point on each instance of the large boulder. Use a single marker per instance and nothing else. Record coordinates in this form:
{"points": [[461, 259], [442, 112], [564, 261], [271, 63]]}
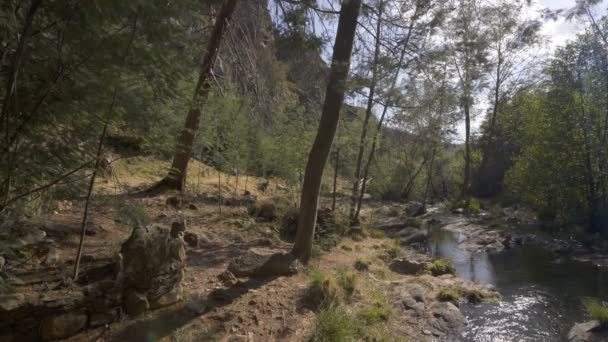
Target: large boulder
{"points": [[326, 223], [153, 261], [413, 209], [264, 263], [406, 266]]}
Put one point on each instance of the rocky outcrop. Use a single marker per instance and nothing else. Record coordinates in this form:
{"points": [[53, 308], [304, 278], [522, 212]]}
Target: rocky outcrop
{"points": [[147, 274]]}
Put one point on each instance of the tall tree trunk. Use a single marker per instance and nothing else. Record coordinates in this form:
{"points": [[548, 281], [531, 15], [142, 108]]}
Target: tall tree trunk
{"points": [[176, 179], [467, 151], [336, 168], [368, 114], [330, 116]]}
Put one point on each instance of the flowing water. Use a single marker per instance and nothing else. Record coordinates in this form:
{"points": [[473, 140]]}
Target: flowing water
{"points": [[541, 295]]}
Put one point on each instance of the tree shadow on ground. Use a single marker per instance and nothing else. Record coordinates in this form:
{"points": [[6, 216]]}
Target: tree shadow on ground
{"points": [[171, 319]]}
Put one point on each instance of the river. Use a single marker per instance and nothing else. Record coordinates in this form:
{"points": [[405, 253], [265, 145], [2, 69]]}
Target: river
{"points": [[541, 294]]}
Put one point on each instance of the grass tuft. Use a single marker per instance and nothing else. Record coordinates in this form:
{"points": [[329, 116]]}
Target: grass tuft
{"points": [[324, 290], [597, 309], [441, 267], [449, 296], [334, 324]]}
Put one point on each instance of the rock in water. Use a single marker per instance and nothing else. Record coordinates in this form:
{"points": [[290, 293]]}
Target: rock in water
{"points": [[153, 265]]}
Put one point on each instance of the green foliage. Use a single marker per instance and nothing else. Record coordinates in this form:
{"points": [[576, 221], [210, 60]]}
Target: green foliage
{"points": [[441, 267], [596, 309]]}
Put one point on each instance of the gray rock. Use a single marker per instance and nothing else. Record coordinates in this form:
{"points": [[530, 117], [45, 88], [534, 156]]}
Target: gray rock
{"points": [[135, 303], [413, 209], [169, 298], [419, 237], [191, 239], [587, 332], [102, 318], [258, 263], [407, 267], [447, 318], [62, 326], [2, 263], [227, 278], [267, 211]]}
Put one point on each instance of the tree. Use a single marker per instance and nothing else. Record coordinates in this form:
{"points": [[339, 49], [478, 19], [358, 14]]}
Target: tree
{"points": [[468, 46], [512, 39], [368, 113], [176, 179], [336, 87]]}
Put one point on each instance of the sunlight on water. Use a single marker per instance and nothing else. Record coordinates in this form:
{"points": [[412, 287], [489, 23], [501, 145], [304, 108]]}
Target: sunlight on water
{"points": [[526, 317]]}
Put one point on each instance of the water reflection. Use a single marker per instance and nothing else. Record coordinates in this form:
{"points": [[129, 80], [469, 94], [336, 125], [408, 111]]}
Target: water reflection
{"points": [[469, 266], [541, 295]]}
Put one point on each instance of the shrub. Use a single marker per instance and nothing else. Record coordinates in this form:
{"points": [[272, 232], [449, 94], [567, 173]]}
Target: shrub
{"points": [[596, 309], [441, 267], [334, 324]]}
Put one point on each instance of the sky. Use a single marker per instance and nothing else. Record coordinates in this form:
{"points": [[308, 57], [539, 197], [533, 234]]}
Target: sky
{"points": [[558, 32]]}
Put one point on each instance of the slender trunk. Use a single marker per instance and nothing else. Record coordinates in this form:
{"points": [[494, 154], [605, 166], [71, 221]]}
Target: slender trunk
{"points": [[467, 151], [83, 231], [381, 122], [408, 187], [176, 179], [317, 158], [336, 168], [429, 177], [368, 114]]}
